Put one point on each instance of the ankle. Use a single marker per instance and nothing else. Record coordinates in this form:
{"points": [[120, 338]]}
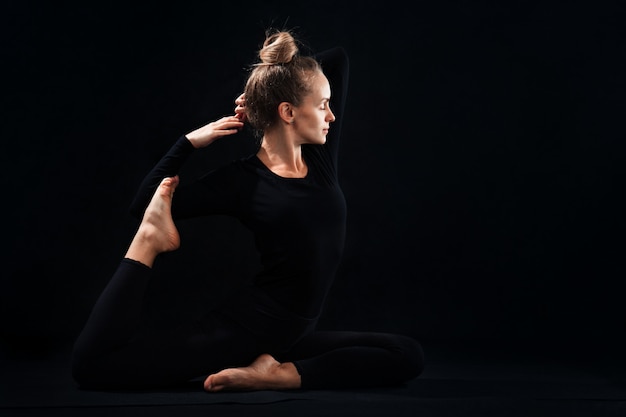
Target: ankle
{"points": [[289, 374]]}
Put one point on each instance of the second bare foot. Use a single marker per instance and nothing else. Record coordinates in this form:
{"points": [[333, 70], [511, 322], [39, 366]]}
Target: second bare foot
{"points": [[157, 232], [265, 373]]}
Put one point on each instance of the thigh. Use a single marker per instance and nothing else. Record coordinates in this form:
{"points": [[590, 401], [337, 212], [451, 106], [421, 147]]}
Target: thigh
{"points": [[320, 342]]}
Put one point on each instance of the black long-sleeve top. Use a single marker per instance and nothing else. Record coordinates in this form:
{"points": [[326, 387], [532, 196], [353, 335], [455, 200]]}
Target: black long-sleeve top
{"points": [[298, 223]]}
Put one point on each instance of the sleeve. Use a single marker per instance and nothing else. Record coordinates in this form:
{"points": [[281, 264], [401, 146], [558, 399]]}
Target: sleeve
{"points": [[169, 165], [335, 65]]}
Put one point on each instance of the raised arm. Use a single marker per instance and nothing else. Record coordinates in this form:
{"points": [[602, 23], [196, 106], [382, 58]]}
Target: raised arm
{"points": [[335, 64]]}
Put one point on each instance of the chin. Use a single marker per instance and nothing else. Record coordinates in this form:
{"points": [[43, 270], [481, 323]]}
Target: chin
{"points": [[320, 141]]}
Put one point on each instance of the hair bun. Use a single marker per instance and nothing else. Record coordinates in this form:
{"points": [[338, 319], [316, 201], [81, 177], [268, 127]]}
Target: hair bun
{"points": [[278, 48]]}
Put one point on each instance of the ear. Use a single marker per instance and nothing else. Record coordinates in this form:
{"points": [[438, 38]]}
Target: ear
{"points": [[285, 112]]}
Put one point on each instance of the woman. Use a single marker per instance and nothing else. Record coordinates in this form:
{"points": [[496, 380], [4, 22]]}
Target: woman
{"points": [[288, 195]]}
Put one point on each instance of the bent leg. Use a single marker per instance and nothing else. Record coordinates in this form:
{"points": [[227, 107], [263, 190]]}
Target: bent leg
{"points": [[116, 316], [114, 351], [340, 359]]}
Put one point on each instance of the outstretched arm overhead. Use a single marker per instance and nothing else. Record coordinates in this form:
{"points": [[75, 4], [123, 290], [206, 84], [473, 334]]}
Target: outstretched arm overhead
{"points": [[336, 67]]}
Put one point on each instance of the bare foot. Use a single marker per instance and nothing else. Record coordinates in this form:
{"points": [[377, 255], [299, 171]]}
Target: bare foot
{"points": [[157, 232], [265, 373]]}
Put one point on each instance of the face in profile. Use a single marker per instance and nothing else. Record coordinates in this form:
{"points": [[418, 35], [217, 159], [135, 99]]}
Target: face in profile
{"points": [[313, 117]]}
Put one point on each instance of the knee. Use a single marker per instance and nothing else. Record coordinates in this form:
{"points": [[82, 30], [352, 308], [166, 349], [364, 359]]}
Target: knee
{"points": [[79, 373], [82, 370], [83, 364], [90, 372], [412, 356]]}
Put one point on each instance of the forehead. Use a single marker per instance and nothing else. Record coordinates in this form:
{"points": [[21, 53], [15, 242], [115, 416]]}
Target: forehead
{"points": [[320, 87]]}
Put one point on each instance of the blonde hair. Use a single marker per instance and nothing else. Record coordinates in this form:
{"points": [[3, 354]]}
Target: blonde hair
{"points": [[282, 75]]}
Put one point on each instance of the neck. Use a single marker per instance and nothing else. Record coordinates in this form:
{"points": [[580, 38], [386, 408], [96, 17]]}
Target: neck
{"points": [[282, 157]]}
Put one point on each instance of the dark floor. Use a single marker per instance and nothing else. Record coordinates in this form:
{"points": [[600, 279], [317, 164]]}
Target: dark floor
{"points": [[481, 381]]}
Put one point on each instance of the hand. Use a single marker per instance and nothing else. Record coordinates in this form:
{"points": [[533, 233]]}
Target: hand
{"points": [[205, 135], [240, 110]]}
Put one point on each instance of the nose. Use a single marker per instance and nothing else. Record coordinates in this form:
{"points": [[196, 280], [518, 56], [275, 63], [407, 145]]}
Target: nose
{"points": [[331, 116]]}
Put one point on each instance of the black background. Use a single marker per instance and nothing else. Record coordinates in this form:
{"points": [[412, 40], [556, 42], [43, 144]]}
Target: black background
{"points": [[482, 161]]}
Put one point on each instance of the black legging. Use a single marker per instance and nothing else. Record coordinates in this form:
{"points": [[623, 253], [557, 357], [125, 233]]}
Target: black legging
{"points": [[114, 352]]}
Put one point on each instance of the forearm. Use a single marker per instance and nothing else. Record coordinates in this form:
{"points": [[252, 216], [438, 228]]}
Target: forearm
{"points": [[335, 64], [169, 165]]}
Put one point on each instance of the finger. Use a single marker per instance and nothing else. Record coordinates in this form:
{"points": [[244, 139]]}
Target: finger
{"points": [[231, 125]]}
